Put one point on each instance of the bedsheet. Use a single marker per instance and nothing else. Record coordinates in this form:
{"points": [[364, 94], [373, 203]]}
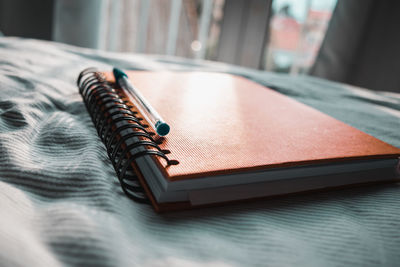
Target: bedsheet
{"points": [[61, 204]]}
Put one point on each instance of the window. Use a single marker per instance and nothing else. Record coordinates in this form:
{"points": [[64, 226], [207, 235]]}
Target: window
{"points": [[275, 35], [297, 28]]}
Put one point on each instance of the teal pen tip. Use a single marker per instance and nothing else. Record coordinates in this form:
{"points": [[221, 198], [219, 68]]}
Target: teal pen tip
{"points": [[162, 128], [118, 73]]}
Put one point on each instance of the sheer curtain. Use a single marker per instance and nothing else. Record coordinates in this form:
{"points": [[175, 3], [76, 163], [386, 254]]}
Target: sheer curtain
{"points": [[230, 31], [81, 23], [124, 25]]}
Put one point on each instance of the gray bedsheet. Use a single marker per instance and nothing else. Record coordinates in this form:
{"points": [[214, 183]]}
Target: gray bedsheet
{"points": [[60, 202]]}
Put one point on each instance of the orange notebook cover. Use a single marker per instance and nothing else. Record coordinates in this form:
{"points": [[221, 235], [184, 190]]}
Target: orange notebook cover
{"points": [[223, 124]]}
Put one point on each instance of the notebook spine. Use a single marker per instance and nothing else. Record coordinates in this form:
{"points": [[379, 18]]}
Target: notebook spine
{"points": [[123, 132]]}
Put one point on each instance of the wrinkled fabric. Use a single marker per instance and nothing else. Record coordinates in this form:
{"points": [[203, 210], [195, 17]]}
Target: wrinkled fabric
{"points": [[61, 204]]}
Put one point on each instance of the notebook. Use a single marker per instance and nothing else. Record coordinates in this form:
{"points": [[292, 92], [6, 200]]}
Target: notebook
{"points": [[231, 140]]}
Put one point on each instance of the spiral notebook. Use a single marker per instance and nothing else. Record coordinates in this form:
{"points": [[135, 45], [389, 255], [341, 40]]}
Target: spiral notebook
{"points": [[231, 140]]}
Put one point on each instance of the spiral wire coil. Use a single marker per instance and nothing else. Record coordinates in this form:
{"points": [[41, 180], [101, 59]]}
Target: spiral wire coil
{"points": [[120, 129]]}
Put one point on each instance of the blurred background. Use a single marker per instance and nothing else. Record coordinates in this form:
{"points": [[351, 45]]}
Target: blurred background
{"points": [[350, 41]]}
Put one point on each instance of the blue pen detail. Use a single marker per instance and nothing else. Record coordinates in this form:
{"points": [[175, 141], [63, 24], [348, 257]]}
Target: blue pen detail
{"points": [[118, 74], [162, 128]]}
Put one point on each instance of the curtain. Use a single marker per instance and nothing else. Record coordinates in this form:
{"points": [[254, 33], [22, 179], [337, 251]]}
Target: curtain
{"points": [[80, 22], [362, 45]]}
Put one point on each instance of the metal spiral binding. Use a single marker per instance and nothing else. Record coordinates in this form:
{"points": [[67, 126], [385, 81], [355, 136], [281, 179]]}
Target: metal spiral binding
{"points": [[107, 109]]}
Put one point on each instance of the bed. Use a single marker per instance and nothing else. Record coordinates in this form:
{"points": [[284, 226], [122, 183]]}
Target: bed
{"points": [[61, 204]]}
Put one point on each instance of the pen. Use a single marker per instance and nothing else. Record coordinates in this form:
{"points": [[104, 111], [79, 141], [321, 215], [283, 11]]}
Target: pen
{"points": [[152, 116]]}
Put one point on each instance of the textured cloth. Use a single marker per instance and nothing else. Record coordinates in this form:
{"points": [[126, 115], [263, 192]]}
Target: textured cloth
{"points": [[61, 204]]}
